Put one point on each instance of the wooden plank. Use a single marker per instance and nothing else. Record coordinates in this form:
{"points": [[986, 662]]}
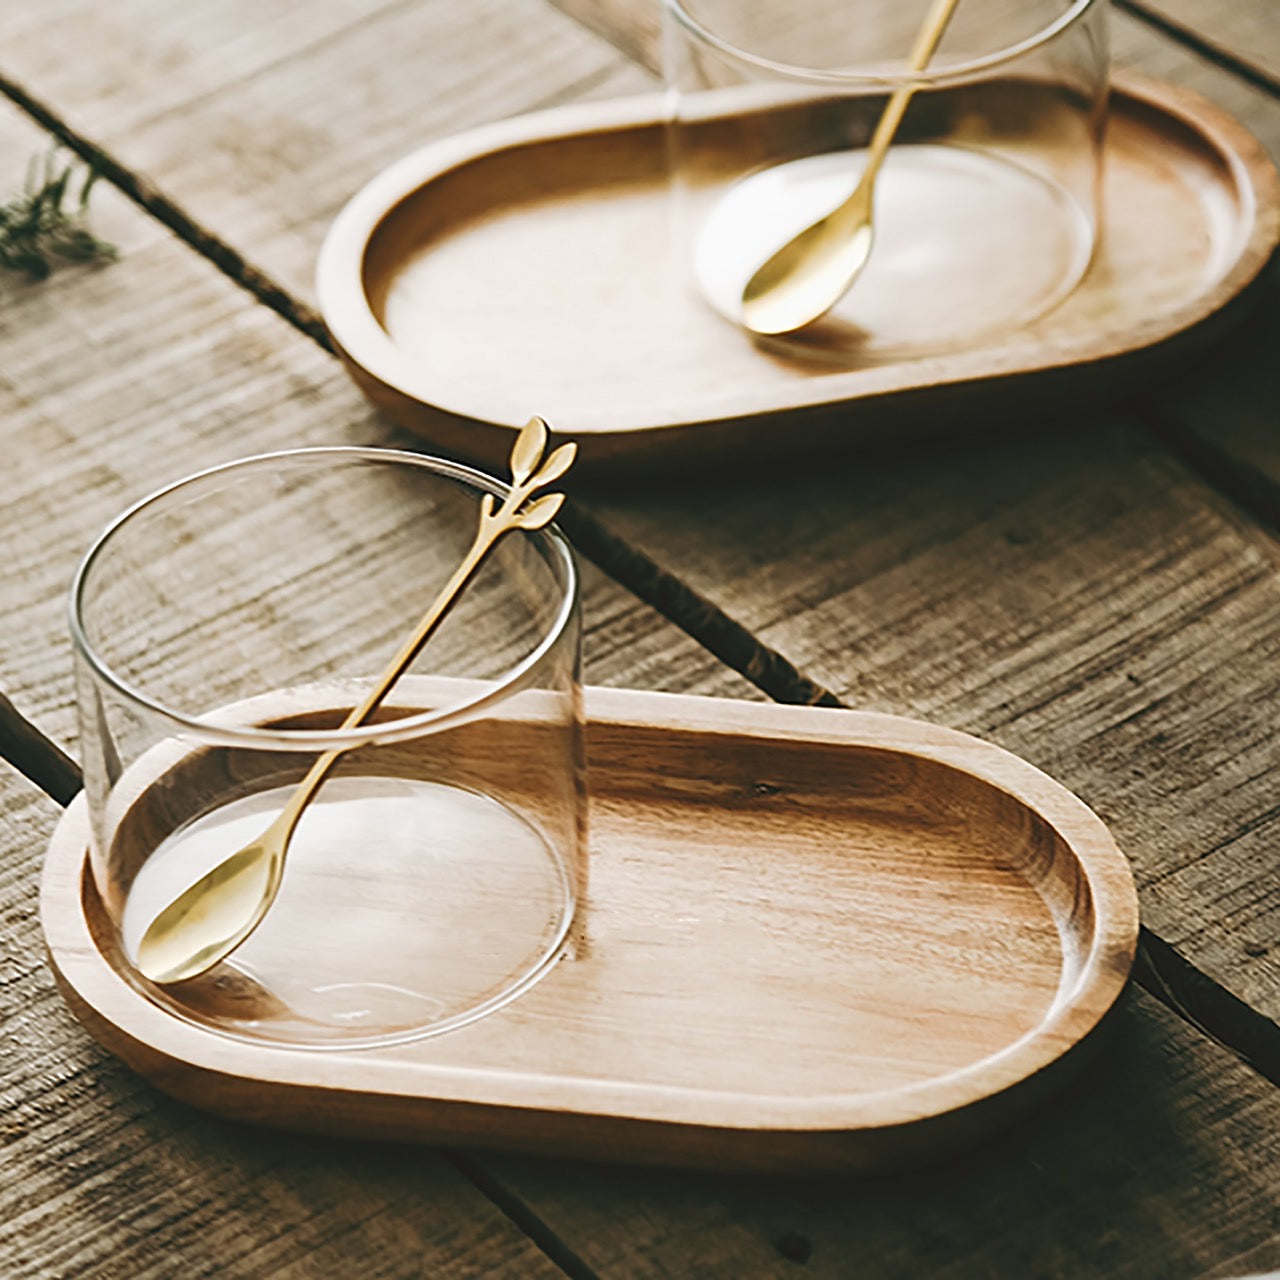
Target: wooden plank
{"points": [[1243, 34], [1137, 45], [187, 60], [328, 112], [181, 61], [91, 400], [635, 29]]}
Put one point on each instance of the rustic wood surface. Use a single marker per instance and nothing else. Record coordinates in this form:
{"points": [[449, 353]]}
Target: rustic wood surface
{"points": [[1101, 599]]}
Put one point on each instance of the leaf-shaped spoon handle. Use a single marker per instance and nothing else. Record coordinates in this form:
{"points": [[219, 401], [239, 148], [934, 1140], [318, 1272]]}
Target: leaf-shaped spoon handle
{"points": [[209, 920]]}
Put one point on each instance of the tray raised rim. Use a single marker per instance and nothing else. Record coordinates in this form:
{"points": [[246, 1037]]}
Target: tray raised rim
{"points": [[168, 1049], [384, 370]]}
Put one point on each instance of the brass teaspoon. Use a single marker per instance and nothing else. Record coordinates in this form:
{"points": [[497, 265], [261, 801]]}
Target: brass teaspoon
{"points": [[210, 919], [804, 279]]}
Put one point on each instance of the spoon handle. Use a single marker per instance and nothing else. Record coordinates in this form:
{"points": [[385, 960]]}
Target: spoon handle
{"points": [[512, 514], [926, 43], [316, 775]]}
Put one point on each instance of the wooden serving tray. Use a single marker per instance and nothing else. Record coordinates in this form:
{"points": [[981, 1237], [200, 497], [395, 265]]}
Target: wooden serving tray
{"points": [[527, 267], [814, 938]]}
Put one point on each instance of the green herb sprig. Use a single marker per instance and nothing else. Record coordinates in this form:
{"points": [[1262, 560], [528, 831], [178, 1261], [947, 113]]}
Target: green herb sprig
{"points": [[48, 219]]}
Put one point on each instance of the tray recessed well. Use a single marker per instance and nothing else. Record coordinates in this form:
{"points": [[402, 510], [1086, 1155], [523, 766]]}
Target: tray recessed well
{"points": [[813, 938], [527, 267]]}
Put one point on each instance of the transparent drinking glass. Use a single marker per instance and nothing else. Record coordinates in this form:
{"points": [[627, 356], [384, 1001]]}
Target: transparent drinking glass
{"points": [[986, 209], [223, 629]]}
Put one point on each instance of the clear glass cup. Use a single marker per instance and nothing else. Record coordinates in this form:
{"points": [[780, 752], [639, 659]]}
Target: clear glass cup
{"points": [[223, 629], [986, 209]]}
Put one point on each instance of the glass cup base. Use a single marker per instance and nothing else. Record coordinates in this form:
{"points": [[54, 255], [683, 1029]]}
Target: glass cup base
{"points": [[968, 245], [408, 908]]}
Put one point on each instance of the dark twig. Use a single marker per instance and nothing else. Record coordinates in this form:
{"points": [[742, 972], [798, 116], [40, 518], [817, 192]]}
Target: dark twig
{"points": [[37, 757]]}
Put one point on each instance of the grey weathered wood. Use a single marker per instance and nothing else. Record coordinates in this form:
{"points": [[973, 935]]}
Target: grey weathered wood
{"points": [[182, 61], [1188, 1111], [1244, 32], [1136, 44], [227, 124], [1247, 29], [107, 402]]}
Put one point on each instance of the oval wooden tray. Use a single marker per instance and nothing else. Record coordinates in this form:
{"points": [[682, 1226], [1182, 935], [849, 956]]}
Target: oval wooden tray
{"points": [[814, 938], [526, 267]]}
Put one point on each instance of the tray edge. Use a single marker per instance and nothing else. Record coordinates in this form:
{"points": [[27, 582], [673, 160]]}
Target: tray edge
{"points": [[378, 368], [208, 1080]]}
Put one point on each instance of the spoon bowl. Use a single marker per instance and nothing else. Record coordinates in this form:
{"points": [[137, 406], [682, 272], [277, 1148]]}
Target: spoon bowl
{"points": [[207, 921], [811, 272], [808, 275]]}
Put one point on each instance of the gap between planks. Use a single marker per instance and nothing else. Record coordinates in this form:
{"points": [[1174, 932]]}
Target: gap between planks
{"points": [[522, 1216], [1160, 969], [1251, 489], [151, 200], [1250, 72]]}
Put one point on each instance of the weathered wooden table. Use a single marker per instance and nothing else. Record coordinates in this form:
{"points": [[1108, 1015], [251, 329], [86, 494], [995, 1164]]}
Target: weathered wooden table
{"points": [[1101, 597]]}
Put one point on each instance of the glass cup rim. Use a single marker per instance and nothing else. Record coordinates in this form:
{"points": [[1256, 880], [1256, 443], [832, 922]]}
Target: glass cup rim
{"points": [[383, 732], [679, 10]]}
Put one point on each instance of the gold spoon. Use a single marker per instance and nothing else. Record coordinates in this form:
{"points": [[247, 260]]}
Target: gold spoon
{"points": [[815, 269], [207, 921]]}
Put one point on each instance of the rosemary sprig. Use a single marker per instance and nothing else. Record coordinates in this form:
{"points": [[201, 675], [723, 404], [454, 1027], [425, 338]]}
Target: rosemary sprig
{"points": [[48, 219]]}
